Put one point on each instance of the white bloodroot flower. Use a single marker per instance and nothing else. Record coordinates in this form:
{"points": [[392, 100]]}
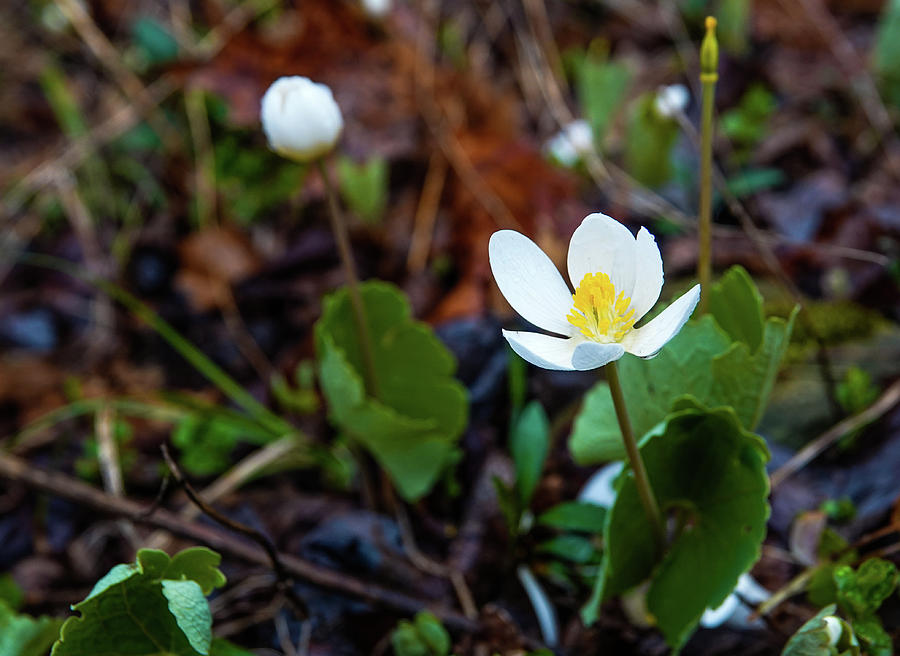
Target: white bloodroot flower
{"points": [[672, 100], [300, 118], [617, 279], [376, 8], [572, 143]]}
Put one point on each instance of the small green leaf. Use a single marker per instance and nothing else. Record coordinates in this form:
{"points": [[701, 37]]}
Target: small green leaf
{"points": [[601, 86], [425, 636], [152, 607], [709, 474], [433, 633], [364, 187], [575, 516], [886, 58], [154, 40], [649, 141], [23, 635], [569, 547], [861, 592], [856, 391], [197, 564], [736, 305], [413, 427], [529, 443], [875, 640]]}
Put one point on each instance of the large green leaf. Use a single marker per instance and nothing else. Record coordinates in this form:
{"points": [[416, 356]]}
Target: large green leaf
{"points": [[717, 365], [709, 473], [153, 607], [413, 426]]}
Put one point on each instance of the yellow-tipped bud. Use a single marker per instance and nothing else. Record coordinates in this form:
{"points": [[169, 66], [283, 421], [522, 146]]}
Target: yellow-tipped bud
{"points": [[709, 53]]}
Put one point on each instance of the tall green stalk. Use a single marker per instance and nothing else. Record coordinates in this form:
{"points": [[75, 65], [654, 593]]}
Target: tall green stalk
{"points": [[341, 237], [709, 75], [641, 480]]}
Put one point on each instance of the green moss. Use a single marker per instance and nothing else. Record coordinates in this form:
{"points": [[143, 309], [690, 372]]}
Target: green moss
{"points": [[836, 322]]}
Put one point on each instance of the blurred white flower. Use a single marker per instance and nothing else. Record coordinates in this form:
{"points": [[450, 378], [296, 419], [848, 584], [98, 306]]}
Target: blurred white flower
{"points": [[377, 8], [672, 100], [572, 143], [300, 118], [617, 279], [732, 611], [599, 487]]}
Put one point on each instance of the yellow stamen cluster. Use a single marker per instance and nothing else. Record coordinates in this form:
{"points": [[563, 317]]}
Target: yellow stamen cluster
{"points": [[597, 311]]}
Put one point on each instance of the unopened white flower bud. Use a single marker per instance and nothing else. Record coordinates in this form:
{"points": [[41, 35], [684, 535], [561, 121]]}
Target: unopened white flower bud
{"points": [[300, 118], [672, 100], [377, 8]]}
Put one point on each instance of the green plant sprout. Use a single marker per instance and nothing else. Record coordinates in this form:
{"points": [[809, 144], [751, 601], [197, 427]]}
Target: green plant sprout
{"points": [[709, 75]]}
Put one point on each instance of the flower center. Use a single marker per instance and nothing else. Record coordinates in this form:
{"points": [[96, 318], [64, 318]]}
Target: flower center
{"points": [[597, 312]]}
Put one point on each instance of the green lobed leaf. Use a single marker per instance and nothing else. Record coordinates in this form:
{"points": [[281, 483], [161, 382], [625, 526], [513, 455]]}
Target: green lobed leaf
{"points": [[575, 516], [861, 592], [23, 635], [709, 473], [413, 427], [153, 607], [704, 361], [529, 442]]}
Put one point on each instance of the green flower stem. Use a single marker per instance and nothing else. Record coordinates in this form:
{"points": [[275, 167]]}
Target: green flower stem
{"points": [[339, 228], [709, 64], [648, 499]]}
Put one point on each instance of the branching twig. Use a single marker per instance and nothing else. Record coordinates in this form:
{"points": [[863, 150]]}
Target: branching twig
{"points": [[69, 488], [285, 582]]}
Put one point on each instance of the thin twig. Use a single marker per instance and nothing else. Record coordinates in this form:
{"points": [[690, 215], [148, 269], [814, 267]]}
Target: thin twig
{"points": [[882, 405], [285, 581], [66, 487], [426, 213]]}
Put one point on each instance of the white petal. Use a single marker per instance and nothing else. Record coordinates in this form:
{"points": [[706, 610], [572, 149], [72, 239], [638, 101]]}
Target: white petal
{"points": [[648, 340], [648, 274], [530, 282], [602, 245], [543, 350], [590, 355]]}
